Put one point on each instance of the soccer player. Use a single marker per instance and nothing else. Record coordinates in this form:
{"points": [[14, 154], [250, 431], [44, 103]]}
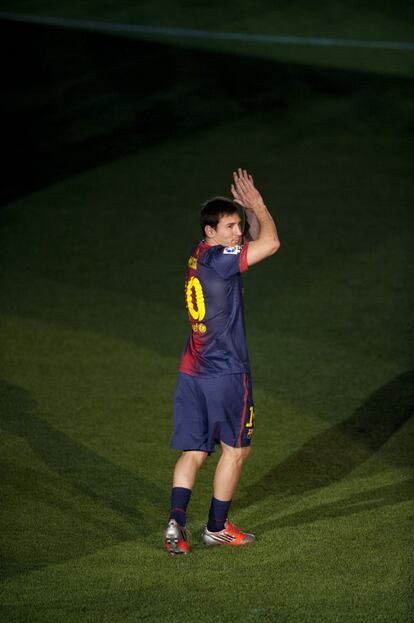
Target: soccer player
{"points": [[213, 401]]}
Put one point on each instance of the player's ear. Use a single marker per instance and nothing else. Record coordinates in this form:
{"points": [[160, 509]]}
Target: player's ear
{"points": [[209, 231]]}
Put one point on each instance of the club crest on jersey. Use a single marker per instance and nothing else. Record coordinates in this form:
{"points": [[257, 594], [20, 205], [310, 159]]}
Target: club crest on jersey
{"points": [[232, 250]]}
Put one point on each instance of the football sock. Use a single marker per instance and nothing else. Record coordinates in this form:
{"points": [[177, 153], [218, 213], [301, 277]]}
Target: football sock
{"points": [[217, 514], [180, 497]]}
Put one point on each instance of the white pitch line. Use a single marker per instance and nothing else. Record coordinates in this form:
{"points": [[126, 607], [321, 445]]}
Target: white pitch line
{"points": [[113, 27]]}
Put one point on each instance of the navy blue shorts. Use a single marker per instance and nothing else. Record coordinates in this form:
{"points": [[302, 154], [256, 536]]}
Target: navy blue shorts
{"points": [[208, 410]]}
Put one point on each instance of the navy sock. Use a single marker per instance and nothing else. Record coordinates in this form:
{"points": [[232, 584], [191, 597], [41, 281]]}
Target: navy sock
{"points": [[180, 497], [217, 514]]}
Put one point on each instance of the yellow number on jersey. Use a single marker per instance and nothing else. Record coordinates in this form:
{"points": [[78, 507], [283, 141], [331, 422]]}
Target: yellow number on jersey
{"points": [[194, 290]]}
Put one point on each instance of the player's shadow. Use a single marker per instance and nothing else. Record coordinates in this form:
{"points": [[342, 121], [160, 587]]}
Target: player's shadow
{"points": [[333, 454], [88, 473], [388, 495]]}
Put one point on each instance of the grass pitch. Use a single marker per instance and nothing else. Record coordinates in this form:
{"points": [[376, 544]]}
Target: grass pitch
{"points": [[371, 21], [92, 325]]}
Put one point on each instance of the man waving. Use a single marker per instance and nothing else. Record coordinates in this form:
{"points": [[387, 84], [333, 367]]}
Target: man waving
{"points": [[213, 402]]}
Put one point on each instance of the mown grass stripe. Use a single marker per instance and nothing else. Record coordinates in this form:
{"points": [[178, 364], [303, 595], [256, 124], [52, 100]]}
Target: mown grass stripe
{"points": [[114, 27]]}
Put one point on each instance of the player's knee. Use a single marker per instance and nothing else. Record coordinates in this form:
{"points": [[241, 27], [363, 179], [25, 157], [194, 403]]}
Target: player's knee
{"points": [[202, 457], [239, 455], [246, 452], [198, 457], [242, 454]]}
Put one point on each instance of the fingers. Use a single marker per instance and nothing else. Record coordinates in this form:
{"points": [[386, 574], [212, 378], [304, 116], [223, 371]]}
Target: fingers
{"points": [[243, 179], [238, 189], [239, 181], [236, 196], [233, 191], [244, 190]]}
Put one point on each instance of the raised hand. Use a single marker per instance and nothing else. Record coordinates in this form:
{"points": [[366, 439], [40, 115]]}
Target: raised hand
{"points": [[244, 191]]}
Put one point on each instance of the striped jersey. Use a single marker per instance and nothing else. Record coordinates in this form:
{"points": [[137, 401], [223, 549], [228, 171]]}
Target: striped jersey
{"points": [[214, 302]]}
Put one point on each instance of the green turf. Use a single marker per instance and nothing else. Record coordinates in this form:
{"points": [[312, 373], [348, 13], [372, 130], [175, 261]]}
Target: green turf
{"points": [[92, 325], [92, 330], [370, 21]]}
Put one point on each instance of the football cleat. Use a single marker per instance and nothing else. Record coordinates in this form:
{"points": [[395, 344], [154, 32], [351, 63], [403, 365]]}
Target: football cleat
{"points": [[231, 535], [176, 538]]}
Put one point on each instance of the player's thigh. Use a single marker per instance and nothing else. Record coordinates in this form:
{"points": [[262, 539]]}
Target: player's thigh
{"points": [[230, 407], [191, 430]]}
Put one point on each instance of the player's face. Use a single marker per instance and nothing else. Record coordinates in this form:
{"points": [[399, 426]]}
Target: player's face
{"points": [[228, 230]]}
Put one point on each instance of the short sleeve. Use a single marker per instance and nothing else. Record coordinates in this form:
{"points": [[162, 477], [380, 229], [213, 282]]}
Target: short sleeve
{"points": [[227, 261]]}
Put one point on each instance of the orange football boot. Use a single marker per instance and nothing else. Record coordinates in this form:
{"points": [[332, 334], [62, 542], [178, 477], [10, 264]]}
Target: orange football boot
{"points": [[230, 535]]}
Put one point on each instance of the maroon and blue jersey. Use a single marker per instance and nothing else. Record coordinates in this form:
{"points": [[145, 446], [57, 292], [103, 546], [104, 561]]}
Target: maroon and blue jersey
{"points": [[214, 301]]}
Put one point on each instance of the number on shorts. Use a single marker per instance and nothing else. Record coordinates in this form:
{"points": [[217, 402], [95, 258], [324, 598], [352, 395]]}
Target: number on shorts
{"points": [[249, 424]]}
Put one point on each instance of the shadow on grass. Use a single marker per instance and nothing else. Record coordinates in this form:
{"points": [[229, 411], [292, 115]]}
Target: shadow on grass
{"points": [[87, 472], [358, 502], [76, 100], [332, 455]]}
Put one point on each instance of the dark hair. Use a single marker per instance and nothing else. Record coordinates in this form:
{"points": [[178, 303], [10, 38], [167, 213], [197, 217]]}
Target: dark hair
{"points": [[213, 209]]}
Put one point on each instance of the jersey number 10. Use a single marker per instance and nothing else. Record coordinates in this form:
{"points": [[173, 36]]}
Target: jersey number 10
{"points": [[195, 299]]}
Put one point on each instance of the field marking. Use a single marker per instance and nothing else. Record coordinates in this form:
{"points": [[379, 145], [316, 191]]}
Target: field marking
{"points": [[113, 27]]}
